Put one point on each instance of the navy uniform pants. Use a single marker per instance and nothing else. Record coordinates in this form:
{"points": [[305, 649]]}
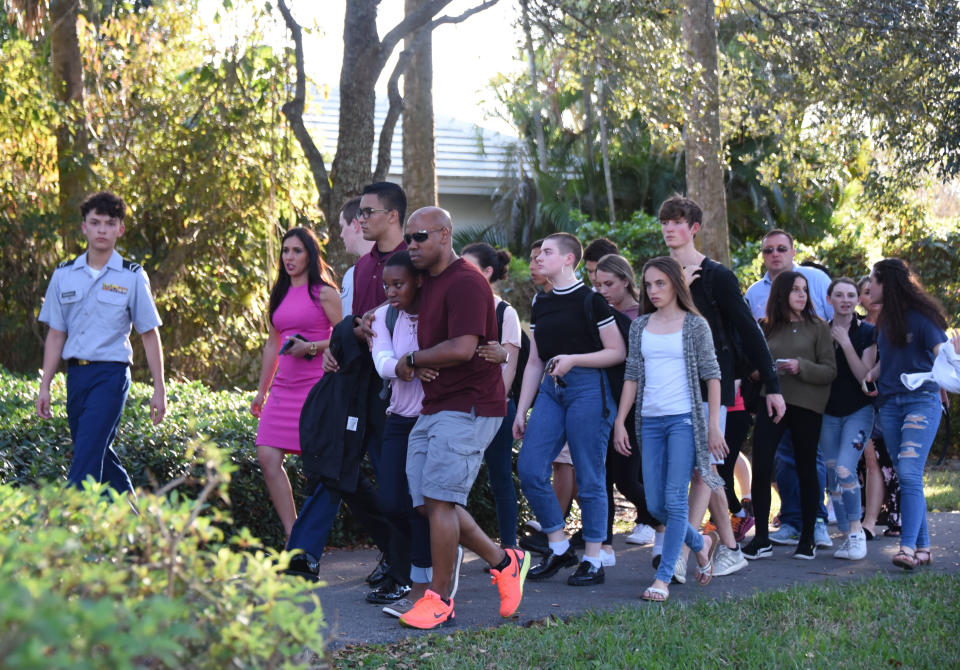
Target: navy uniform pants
{"points": [[96, 394]]}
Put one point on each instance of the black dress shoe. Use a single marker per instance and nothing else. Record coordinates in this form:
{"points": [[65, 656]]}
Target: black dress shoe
{"points": [[388, 593], [304, 565], [535, 541], [548, 567], [379, 573], [586, 575]]}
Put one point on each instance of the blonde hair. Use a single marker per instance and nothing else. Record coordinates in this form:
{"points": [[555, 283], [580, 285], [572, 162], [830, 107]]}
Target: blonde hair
{"points": [[617, 265]]}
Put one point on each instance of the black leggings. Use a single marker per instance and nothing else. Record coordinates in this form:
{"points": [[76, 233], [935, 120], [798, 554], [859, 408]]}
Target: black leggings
{"points": [[738, 425], [624, 472], [804, 426]]}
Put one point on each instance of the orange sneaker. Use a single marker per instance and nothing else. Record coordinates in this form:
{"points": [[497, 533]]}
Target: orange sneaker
{"points": [[709, 527], [428, 612], [510, 580]]}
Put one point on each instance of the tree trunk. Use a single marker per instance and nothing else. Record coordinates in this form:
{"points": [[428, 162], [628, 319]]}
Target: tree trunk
{"points": [[605, 147], [535, 109], [419, 143], [702, 146], [72, 154], [586, 81]]}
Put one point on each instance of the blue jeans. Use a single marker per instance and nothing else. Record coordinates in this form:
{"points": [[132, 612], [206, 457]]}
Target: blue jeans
{"points": [[499, 460], [910, 422], [842, 439], [573, 414], [669, 454], [96, 394], [788, 484]]}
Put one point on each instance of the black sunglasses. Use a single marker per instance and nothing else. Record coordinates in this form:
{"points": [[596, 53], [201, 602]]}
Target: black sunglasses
{"points": [[419, 236], [779, 249]]}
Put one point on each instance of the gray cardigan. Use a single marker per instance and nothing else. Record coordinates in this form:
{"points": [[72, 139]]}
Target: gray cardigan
{"points": [[701, 363]]}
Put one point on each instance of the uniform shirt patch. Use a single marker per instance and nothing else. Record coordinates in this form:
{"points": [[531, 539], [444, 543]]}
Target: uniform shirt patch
{"points": [[113, 288], [68, 294]]}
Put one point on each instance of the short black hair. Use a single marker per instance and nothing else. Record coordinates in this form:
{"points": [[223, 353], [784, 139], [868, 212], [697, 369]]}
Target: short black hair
{"points": [[106, 203], [599, 248], [677, 207], [391, 196]]}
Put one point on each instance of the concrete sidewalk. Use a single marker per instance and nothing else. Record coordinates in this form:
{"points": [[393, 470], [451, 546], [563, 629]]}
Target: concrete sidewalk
{"points": [[351, 620]]}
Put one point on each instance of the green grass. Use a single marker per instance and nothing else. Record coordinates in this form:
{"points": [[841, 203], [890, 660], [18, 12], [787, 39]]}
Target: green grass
{"points": [[848, 624], [942, 487]]}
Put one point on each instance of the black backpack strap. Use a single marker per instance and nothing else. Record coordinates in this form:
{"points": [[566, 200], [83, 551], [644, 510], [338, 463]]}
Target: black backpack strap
{"points": [[392, 315], [501, 310], [391, 321], [597, 342]]}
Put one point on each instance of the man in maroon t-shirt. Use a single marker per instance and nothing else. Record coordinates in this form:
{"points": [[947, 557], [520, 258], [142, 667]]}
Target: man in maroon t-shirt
{"points": [[463, 407]]}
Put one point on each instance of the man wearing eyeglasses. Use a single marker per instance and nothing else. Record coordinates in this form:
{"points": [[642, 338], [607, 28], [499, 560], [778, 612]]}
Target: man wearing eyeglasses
{"points": [[778, 254], [383, 206]]}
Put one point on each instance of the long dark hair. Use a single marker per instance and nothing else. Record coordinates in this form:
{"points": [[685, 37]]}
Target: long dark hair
{"points": [[778, 304], [902, 291], [498, 259], [319, 274], [674, 271]]}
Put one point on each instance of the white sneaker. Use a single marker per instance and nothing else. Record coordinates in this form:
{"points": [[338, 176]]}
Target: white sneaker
{"points": [[642, 534], [854, 547], [727, 561], [831, 515], [680, 570], [608, 559], [533, 524]]}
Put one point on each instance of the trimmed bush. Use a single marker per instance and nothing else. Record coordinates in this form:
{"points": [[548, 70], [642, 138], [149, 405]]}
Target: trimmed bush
{"points": [[36, 451], [86, 583]]}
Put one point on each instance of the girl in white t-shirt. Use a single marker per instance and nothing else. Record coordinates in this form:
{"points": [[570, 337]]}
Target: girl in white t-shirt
{"points": [[671, 342]]}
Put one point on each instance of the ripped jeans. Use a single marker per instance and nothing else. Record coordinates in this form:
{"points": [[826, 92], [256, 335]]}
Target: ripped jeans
{"points": [[909, 422], [842, 439]]}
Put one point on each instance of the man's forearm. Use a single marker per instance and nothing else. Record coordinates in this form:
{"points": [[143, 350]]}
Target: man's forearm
{"points": [[154, 353], [448, 353], [52, 350]]}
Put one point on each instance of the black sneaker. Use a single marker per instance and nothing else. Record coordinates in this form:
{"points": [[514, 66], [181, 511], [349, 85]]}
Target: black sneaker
{"points": [[379, 572], [388, 592], [757, 549], [305, 566], [535, 541], [805, 552], [587, 574]]}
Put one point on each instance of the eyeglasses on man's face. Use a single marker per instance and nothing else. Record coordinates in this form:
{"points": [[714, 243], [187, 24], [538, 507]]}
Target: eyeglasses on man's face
{"points": [[780, 249], [419, 236], [365, 212]]}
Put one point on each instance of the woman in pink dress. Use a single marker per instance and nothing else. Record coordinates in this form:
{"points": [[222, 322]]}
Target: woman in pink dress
{"points": [[304, 305]]}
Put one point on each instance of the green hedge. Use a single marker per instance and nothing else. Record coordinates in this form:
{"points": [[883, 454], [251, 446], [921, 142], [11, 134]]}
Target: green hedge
{"points": [[34, 451], [86, 583]]}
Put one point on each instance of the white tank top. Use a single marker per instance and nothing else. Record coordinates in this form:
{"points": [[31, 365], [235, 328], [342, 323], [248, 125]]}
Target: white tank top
{"points": [[665, 391]]}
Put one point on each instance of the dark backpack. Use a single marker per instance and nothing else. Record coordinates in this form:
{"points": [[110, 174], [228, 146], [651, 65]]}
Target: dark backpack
{"points": [[730, 342], [522, 358], [615, 373]]}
